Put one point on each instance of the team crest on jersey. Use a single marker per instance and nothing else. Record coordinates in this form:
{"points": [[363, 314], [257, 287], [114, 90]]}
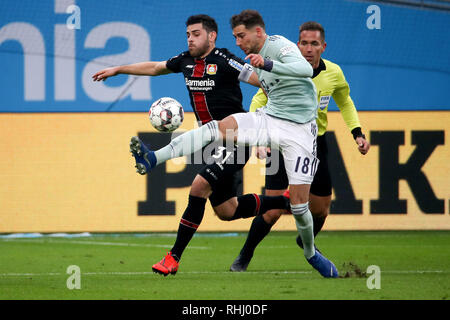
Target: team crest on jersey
{"points": [[211, 69]]}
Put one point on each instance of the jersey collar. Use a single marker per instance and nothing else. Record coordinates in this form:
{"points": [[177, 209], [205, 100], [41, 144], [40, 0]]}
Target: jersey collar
{"points": [[320, 68], [196, 58]]}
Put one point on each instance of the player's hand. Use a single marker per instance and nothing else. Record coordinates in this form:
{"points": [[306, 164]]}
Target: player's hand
{"points": [[105, 74], [363, 145], [256, 60], [261, 152]]}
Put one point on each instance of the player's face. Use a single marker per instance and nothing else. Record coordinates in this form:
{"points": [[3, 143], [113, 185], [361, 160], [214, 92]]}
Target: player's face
{"points": [[247, 39], [198, 40], [311, 46]]}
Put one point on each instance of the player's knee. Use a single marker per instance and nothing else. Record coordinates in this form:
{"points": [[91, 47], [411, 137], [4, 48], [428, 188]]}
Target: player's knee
{"points": [[223, 215], [200, 187], [272, 216], [225, 211], [322, 213], [228, 127], [320, 209]]}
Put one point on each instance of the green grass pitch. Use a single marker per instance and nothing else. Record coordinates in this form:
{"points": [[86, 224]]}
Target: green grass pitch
{"points": [[415, 265]]}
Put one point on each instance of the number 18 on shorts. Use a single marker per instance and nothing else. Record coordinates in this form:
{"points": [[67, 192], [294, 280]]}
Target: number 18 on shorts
{"points": [[296, 141]]}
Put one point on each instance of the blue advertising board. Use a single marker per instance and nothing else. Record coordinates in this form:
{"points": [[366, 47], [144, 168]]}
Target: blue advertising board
{"points": [[394, 57]]}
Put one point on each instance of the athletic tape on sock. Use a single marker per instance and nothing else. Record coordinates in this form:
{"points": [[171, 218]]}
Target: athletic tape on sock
{"points": [[300, 209]]}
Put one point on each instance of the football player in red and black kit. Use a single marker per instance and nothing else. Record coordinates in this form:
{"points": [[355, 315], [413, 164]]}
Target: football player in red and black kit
{"points": [[212, 78]]}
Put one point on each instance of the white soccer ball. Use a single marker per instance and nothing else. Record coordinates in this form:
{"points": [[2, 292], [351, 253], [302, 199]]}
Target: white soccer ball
{"points": [[166, 114]]}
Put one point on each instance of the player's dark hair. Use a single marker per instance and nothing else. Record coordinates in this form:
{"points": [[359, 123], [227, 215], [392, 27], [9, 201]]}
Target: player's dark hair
{"points": [[313, 26], [208, 23], [249, 18]]}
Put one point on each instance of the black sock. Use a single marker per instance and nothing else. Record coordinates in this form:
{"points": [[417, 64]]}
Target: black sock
{"points": [[192, 217], [250, 205], [257, 232], [317, 226]]}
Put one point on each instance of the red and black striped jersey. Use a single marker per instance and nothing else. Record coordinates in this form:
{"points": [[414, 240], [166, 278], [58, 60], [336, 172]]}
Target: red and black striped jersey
{"points": [[212, 83]]}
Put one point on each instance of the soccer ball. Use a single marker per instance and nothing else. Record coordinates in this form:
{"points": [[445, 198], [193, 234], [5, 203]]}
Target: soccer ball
{"points": [[166, 114]]}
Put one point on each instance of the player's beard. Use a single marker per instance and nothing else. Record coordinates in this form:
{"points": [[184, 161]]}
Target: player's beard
{"points": [[254, 48], [197, 52]]}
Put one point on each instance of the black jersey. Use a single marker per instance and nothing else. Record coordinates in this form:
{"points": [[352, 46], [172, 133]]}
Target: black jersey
{"points": [[212, 83]]}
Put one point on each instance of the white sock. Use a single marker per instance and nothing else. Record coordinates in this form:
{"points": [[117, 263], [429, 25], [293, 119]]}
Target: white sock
{"points": [[189, 142], [304, 222]]}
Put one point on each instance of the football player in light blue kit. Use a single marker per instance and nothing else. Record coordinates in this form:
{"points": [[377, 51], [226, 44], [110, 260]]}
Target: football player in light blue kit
{"points": [[287, 122], [289, 117]]}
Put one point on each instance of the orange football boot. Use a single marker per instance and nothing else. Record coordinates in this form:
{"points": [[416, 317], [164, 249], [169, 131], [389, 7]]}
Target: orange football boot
{"points": [[167, 265]]}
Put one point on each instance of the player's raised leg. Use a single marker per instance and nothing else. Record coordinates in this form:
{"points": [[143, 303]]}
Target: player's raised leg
{"points": [[184, 144]]}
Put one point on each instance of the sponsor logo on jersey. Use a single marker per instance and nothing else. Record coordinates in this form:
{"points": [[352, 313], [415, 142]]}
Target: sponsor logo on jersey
{"points": [[189, 66], [211, 69], [200, 85], [324, 101]]}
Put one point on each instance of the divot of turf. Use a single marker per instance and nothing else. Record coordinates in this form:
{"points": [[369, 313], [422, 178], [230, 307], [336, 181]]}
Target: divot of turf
{"points": [[351, 270]]}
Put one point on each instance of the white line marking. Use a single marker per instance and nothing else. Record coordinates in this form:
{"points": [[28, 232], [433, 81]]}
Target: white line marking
{"points": [[353, 245], [100, 243], [204, 272], [29, 274], [416, 271]]}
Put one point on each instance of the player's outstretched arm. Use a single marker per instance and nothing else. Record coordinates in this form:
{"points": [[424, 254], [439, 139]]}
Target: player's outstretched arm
{"points": [[291, 66], [148, 68]]}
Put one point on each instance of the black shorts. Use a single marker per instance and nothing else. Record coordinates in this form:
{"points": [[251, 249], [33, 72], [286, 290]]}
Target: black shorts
{"points": [[223, 170], [321, 185]]}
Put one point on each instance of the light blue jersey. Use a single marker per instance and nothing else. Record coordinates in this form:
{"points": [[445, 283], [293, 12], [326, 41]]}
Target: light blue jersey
{"points": [[290, 90]]}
